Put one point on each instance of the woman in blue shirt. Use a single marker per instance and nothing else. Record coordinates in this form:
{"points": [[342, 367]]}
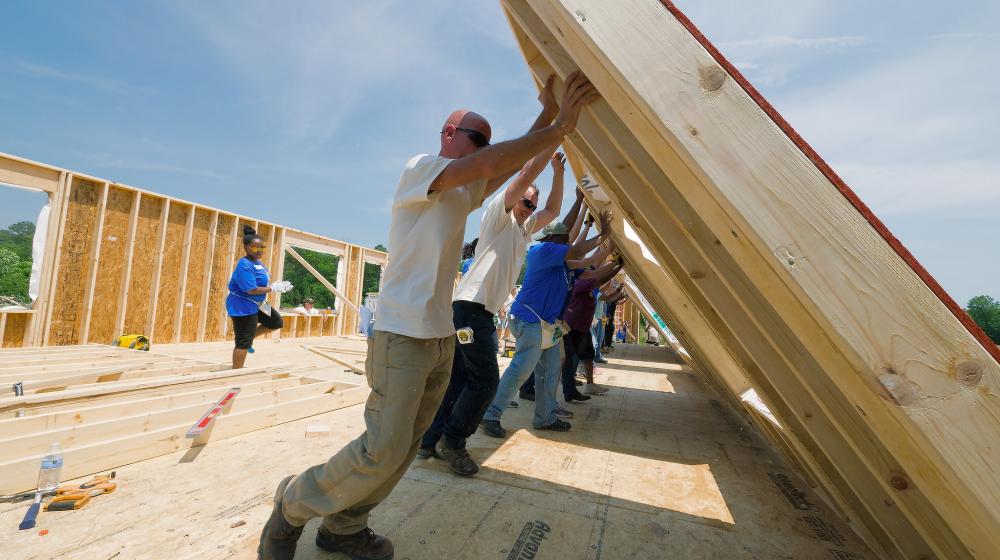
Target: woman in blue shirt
{"points": [[248, 289]]}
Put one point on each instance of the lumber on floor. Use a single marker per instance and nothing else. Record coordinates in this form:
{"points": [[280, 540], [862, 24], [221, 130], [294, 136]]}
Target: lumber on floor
{"points": [[105, 445], [343, 361]]}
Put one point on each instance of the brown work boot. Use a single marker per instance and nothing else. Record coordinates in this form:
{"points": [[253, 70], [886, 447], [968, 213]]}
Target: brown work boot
{"points": [[363, 545], [279, 537]]}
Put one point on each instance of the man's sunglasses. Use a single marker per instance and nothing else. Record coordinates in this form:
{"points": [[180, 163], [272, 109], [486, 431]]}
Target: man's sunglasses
{"points": [[528, 203], [477, 138]]}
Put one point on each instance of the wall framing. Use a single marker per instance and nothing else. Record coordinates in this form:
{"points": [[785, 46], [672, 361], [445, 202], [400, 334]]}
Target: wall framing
{"points": [[775, 276], [123, 260]]}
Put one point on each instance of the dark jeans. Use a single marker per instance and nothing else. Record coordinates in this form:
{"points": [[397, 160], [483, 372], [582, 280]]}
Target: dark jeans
{"points": [[609, 329], [474, 378], [578, 347]]}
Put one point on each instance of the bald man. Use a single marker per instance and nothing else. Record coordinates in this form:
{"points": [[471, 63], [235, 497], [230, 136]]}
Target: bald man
{"points": [[410, 353]]}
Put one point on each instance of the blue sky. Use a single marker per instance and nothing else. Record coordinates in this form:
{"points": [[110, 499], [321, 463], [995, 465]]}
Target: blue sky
{"points": [[303, 113]]}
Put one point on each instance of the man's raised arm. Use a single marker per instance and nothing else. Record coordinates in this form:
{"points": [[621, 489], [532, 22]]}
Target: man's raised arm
{"points": [[507, 157]]}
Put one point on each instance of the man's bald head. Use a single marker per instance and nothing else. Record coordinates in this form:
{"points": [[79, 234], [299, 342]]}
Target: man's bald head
{"points": [[459, 134]]}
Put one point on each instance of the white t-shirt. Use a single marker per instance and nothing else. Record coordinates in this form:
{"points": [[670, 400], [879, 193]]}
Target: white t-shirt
{"points": [[499, 254], [301, 310], [425, 242]]}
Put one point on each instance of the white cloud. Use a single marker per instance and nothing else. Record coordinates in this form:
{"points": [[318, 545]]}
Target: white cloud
{"points": [[99, 83], [107, 161], [949, 187], [308, 67], [784, 41]]}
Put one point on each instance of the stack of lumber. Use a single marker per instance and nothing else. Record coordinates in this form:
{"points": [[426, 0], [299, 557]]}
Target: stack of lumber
{"points": [[108, 407], [777, 278]]}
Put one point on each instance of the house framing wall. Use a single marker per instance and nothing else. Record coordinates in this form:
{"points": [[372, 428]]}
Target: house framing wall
{"points": [[124, 260], [775, 277]]}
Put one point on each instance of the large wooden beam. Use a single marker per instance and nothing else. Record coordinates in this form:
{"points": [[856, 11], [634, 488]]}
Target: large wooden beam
{"points": [[158, 269], [57, 244], [203, 311], [133, 223], [855, 350], [95, 253], [185, 261]]}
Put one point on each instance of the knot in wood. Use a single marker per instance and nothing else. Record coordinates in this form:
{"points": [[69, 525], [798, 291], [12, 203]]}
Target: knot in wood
{"points": [[898, 482], [969, 373], [712, 77]]}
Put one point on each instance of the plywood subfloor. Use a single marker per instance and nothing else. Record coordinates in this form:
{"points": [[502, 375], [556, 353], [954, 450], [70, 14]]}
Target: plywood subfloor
{"points": [[657, 468]]}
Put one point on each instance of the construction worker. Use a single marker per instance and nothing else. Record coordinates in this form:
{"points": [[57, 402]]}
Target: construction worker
{"points": [[579, 314], [533, 315], [468, 253], [307, 308], [246, 303], [411, 351], [508, 224]]}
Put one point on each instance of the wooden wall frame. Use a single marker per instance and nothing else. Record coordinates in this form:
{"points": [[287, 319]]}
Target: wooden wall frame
{"points": [[884, 390], [122, 259]]}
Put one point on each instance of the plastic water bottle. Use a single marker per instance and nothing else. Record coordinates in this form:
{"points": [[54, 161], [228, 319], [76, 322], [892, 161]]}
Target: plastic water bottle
{"points": [[48, 475]]}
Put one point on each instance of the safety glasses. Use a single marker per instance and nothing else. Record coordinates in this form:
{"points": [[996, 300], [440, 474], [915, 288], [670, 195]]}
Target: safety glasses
{"points": [[477, 138], [528, 203]]}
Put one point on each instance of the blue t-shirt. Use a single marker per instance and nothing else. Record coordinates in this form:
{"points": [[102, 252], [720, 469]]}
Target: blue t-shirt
{"points": [[546, 284], [246, 276], [464, 267]]}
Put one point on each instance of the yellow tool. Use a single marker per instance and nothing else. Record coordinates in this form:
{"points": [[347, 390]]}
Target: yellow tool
{"points": [[132, 341], [75, 496]]}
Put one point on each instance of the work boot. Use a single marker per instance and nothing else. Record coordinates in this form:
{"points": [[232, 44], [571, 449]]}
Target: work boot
{"points": [[363, 545], [279, 537], [458, 459], [493, 428], [578, 397], [427, 453], [557, 426]]}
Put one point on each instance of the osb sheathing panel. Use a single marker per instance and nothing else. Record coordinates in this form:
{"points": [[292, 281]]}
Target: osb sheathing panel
{"points": [[170, 273], [194, 291], [15, 329], [143, 264], [75, 262], [222, 266], [114, 245]]}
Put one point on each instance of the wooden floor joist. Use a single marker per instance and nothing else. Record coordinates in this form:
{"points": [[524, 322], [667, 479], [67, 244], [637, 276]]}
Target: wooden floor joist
{"points": [[883, 391], [134, 405]]}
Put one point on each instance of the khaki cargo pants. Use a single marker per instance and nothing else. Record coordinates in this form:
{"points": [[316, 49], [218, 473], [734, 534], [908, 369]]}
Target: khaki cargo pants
{"points": [[408, 377]]}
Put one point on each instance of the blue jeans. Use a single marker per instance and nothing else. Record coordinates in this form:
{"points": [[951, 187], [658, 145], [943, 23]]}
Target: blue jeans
{"points": [[598, 332], [529, 357]]}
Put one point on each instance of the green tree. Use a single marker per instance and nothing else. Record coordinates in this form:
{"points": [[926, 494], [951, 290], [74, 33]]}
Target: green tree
{"points": [[305, 284], [14, 275], [17, 238], [372, 276], [985, 311]]}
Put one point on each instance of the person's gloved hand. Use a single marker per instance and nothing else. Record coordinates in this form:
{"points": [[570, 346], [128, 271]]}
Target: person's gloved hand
{"points": [[281, 287]]}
